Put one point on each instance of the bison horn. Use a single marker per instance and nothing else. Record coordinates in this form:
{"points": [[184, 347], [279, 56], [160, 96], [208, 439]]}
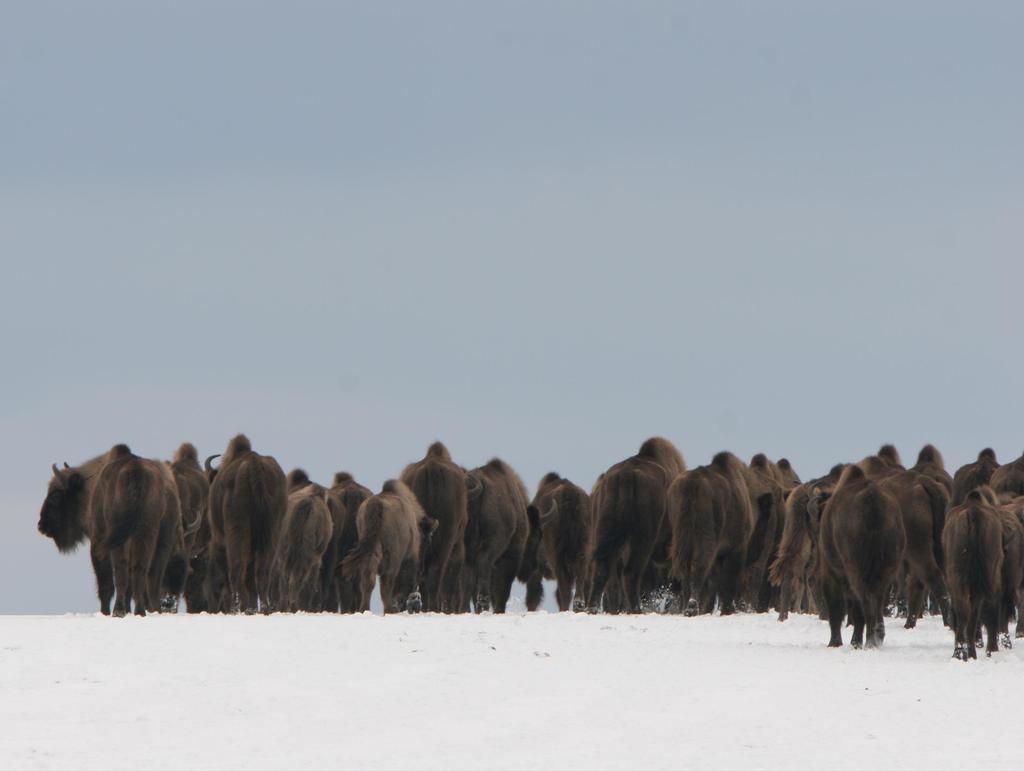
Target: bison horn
{"points": [[473, 487], [56, 471], [208, 464], [549, 515], [66, 465], [195, 525]]}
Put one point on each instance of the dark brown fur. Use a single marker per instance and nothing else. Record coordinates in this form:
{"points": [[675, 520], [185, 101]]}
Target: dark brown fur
{"points": [[561, 511], [629, 501], [136, 508], [860, 546], [923, 503], [931, 464], [795, 567], [392, 528], [891, 456], [712, 524], [343, 500], [193, 492], [496, 535], [972, 542], [441, 488], [973, 475], [1008, 480], [248, 499], [304, 538]]}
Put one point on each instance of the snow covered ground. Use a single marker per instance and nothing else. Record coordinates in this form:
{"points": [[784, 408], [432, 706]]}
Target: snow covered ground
{"points": [[516, 691]]}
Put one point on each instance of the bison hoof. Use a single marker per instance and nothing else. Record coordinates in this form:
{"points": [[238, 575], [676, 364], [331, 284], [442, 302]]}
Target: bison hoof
{"points": [[483, 604], [415, 603], [119, 613], [169, 604], [960, 652], [691, 609], [1005, 641]]}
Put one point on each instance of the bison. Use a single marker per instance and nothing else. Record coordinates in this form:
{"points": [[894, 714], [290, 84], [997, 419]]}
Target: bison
{"points": [[131, 517], [442, 487], [304, 538], [394, 532], [496, 534], [135, 506], [629, 522], [972, 541], [560, 513], [1008, 480], [248, 499], [343, 500], [713, 528], [923, 502], [860, 548], [193, 493], [930, 463], [973, 475], [795, 566]]}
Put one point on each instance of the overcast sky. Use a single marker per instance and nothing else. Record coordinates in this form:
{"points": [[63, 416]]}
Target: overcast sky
{"points": [[543, 231]]}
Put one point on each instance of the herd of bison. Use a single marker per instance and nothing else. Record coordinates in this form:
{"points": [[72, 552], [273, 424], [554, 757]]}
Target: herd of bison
{"points": [[862, 540]]}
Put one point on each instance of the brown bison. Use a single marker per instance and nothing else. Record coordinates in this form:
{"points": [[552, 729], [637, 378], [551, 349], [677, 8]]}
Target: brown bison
{"points": [[972, 541], [441, 487], [343, 500], [765, 477], [1008, 480], [135, 505], [713, 528], [795, 566], [629, 522], [248, 499], [930, 463], [131, 517], [973, 475], [393, 533], [496, 533], [303, 540], [193, 493], [860, 548], [1013, 569], [923, 503], [560, 512]]}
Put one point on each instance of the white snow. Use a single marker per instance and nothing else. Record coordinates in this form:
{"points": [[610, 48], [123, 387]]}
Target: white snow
{"points": [[469, 692]]}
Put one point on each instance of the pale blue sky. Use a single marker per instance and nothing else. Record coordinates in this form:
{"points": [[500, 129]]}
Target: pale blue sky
{"points": [[542, 231]]}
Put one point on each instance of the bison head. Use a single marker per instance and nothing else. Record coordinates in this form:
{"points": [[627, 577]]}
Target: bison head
{"points": [[61, 515]]}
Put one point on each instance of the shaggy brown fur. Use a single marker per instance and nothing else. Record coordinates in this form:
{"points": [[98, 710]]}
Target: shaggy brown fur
{"points": [[561, 511], [343, 500], [304, 538], [796, 564], [441, 488], [763, 478], [248, 499], [1008, 480], [393, 529], [496, 535], [860, 547], [788, 478], [973, 475], [66, 518], [713, 524], [877, 468], [930, 463], [1013, 569], [891, 456], [629, 502], [136, 509], [972, 542], [193, 492], [923, 503]]}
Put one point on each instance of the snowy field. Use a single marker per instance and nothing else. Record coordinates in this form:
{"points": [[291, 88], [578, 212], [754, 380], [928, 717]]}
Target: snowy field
{"points": [[469, 692]]}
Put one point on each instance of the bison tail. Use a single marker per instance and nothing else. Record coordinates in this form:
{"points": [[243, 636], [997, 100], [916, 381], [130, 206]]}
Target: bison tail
{"points": [[266, 500], [614, 527], [293, 539], [128, 504], [692, 510], [356, 560]]}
